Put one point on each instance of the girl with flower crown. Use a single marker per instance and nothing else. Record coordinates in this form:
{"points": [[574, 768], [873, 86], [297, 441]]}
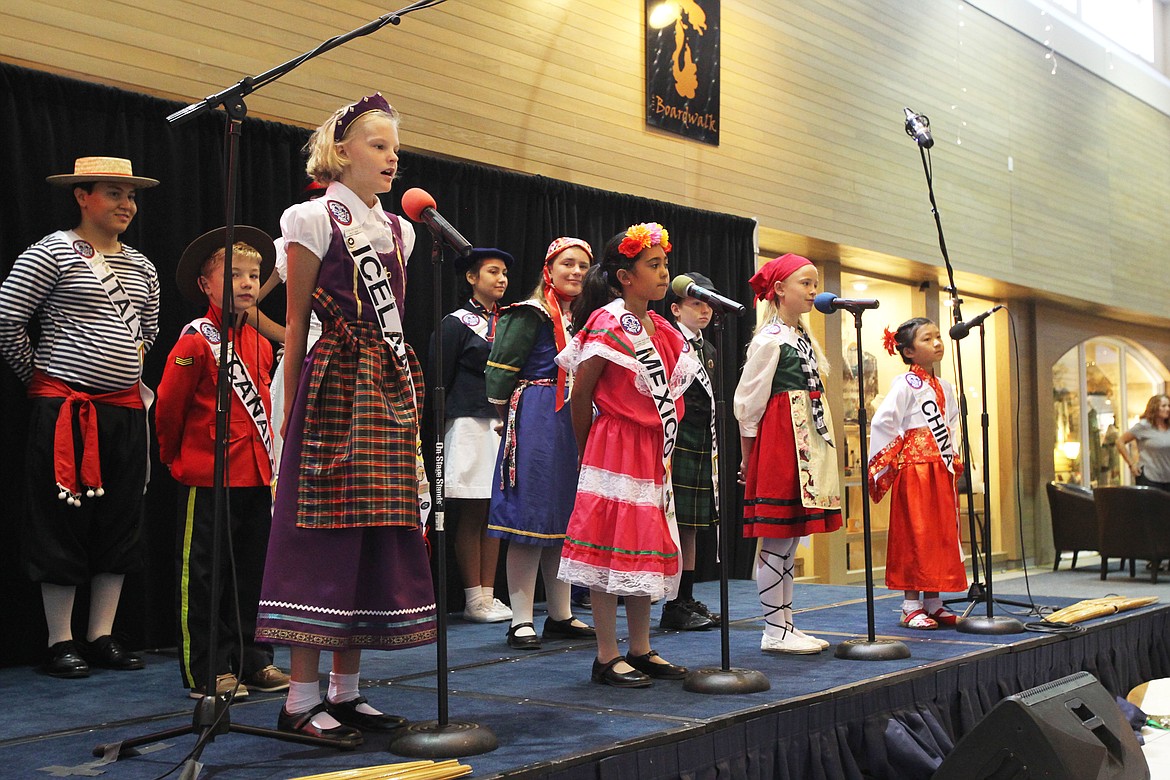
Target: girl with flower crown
{"points": [[789, 465], [535, 478], [347, 566], [913, 440], [633, 366]]}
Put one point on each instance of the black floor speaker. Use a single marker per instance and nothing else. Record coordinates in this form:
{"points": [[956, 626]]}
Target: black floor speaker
{"points": [[1068, 729]]}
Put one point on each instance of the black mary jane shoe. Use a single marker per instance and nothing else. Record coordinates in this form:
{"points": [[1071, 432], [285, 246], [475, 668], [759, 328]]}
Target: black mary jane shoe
{"points": [[523, 642], [665, 671], [64, 660], [347, 713], [564, 629], [106, 652], [344, 736], [604, 674]]}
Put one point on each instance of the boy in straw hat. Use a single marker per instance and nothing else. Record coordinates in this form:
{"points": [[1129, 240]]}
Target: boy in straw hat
{"points": [[96, 302], [185, 418]]}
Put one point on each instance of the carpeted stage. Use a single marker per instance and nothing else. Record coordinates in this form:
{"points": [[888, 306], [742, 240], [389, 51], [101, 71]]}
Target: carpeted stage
{"points": [[823, 717]]}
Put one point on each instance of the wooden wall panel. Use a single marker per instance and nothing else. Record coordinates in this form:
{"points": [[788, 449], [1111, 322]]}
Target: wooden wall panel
{"points": [[812, 97]]}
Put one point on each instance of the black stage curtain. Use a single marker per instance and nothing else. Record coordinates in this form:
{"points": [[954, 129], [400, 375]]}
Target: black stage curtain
{"points": [[48, 121]]}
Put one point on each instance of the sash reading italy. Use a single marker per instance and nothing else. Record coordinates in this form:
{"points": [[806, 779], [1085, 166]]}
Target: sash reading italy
{"points": [[932, 405], [653, 372], [124, 305], [242, 383], [377, 283]]}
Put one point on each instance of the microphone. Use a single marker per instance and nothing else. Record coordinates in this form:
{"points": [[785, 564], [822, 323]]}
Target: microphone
{"points": [[918, 128], [684, 287], [960, 330], [827, 303], [420, 207]]}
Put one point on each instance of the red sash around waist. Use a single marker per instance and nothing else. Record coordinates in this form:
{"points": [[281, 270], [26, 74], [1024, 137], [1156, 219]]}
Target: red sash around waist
{"points": [[64, 453]]}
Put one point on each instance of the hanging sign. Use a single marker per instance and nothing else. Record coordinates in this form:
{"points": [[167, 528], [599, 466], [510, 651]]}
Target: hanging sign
{"points": [[682, 68]]}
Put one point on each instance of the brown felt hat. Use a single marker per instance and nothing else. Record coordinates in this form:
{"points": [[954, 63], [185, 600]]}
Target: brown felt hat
{"points": [[197, 252]]}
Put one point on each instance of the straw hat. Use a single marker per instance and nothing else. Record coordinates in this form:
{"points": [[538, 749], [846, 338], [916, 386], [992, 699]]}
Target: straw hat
{"points": [[114, 169], [197, 252]]}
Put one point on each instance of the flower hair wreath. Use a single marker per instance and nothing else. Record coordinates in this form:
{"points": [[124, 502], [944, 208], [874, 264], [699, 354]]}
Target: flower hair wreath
{"points": [[890, 341], [643, 236]]}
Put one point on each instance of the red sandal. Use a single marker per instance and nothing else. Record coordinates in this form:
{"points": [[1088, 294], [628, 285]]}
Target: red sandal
{"points": [[918, 619], [944, 617]]}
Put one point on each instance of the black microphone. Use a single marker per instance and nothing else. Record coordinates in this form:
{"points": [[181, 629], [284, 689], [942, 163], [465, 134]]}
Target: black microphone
{"points": [[827, 303], [685, 287], [960, 330], [420, 207], [918, 128]]}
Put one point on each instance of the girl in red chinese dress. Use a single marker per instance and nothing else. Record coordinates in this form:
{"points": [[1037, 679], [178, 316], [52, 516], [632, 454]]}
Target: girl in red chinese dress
{"points": [[913, 441]]}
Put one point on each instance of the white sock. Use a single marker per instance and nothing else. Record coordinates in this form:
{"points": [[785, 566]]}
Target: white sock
{"points": [[302, 697], [489, 594], [910, 605], [472, 596], [343, 688], [523, 564], [774, 582], [934, 605]]}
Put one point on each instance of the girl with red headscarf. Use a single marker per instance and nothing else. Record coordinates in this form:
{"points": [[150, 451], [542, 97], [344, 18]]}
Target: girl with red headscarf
{"points": [[789, 465]]}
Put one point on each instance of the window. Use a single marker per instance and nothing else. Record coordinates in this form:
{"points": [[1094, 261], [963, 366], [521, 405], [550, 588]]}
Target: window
{"points": [[1099, 389], [1128, 23]]}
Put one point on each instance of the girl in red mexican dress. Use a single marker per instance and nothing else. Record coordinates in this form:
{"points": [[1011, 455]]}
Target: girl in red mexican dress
{"points": [[622, 539], [912, 438], [789, 467]]}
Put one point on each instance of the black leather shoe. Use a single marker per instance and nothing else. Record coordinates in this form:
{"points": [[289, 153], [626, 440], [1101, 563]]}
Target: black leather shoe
{"points": [[603, 674], [697, 606], [678, 616], [344, 736], [564, 629], [666, 671], [523, 642], [64, 660], [346, 712], [108, 654]]}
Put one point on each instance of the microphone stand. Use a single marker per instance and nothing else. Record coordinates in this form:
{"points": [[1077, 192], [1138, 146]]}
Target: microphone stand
{"points": [[725, 679], [991, 623], [211, 717], [441, 738], [871, 648]]}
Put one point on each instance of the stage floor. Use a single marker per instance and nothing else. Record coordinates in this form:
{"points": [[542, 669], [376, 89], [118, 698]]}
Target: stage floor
{"points": [[541, 705]]}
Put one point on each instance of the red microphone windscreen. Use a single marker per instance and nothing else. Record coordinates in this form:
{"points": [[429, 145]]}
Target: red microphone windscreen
{"points": [[414, 201]]}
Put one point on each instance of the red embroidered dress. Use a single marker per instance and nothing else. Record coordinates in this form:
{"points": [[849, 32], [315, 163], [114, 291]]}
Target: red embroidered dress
{"points": [[923, 550], [620, 538]]}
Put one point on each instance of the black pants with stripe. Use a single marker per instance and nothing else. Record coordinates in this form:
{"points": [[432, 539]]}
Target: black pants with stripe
{"points": [[249, 518]]}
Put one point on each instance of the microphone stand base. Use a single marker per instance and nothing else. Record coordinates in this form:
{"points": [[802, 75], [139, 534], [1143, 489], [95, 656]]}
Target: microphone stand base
{"points": [[722, 682], [431, 739], [876, 650], [996, 624]]}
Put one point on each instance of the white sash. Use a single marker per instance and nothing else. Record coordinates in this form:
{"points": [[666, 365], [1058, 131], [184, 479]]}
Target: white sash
{"points": [[653, 371], [705, 381], [377, 283], [124, 305], [242, 383], [474, 321], [935, 416]]}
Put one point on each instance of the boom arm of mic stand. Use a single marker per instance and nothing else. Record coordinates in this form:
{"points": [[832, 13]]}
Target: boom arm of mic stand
{"points": [[245, 86]]}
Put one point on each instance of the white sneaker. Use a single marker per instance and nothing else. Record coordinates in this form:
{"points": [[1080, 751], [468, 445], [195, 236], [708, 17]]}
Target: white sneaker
{"points": [[794, 630], [484, 611], [790, 644], [499, 610]]}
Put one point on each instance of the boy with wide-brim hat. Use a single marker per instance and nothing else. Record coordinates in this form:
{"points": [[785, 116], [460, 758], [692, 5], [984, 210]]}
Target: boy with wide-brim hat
{"points": [[184, 417], [96, 301]]}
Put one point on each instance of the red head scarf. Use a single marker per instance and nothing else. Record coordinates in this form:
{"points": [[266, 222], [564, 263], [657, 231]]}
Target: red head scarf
{"points": [[777, 270]]}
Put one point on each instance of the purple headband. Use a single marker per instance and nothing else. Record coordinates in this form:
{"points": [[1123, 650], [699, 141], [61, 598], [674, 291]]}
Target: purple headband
{"points": [[374, 102]]}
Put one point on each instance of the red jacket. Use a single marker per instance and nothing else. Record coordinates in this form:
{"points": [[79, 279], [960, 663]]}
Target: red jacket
{"points": [[185, 410]]}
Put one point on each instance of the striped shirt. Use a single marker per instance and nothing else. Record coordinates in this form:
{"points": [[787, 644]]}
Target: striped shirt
{"points": [[83, 340]]}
